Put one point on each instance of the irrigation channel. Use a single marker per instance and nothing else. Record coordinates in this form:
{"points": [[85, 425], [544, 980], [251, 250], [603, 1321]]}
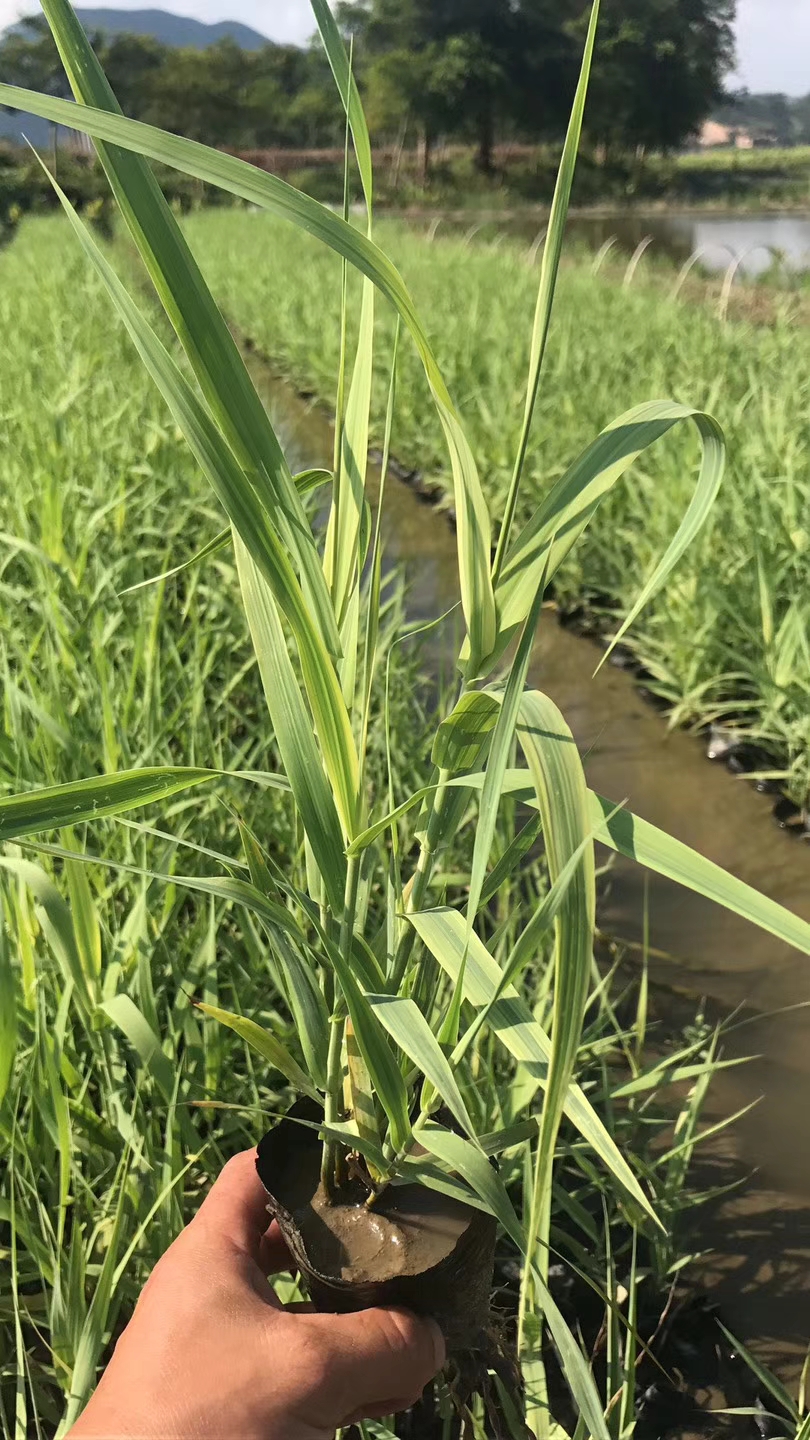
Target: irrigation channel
{"points": [[759, 1236]]}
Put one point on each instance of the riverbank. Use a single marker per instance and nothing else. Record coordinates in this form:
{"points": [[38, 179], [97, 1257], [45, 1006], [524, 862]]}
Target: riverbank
{"points": [[726, 643]]}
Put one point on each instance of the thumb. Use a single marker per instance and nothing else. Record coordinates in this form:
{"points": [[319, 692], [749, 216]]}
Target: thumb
{"points": [[375, 1361]]}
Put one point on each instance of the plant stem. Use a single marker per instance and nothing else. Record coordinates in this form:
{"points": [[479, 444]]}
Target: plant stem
{"points": [[421, 878], [331, 1158]]}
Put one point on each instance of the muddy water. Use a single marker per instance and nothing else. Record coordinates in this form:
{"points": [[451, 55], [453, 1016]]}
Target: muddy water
{"points": [[762, 1235]]}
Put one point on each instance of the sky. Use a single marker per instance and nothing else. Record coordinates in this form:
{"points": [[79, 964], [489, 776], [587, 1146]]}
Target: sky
{"points": [[773, 36]]}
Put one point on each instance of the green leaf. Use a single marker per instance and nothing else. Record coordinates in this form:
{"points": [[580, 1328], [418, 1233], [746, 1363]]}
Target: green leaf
{"points": [[308, 480], [344, 561], [367, 837], [80, 800], [463, 738], [306, 1004], [8, 1014], [293, 730], [265, 1044], [444, 933], [552, 252], [349, 94], [468, 1161], [498, 758], [125, 1014], [212, 351], [562, 797], [253, 524], [57, 923], [211, 548], [375, 1049], [95, 1327], [268, 191], [641, 841], [409, 1029], [571, 503]]}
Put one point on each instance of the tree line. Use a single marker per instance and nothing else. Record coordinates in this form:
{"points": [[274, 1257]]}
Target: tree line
{"points": [[474, 71]]}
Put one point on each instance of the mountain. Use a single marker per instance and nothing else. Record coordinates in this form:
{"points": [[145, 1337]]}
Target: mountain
{"points": [[171, 29]]}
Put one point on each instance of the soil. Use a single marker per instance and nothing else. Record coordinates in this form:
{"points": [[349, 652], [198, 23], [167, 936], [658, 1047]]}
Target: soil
{"points": [[410, 1230], [416, 1248]]}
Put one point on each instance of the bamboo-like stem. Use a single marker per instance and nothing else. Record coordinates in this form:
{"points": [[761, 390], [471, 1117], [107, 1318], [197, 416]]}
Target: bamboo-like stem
{"points": [[421, 877], [331, 1157]]}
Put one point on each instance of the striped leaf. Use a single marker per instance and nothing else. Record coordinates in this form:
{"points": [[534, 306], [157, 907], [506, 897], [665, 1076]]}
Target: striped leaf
{"points": [[409, 1029], [292, 726], [572, 502], [209, 345], [265, 1044], [444, 933], [641, 841], [374, 1046], [81, 800], [268, 191], [552, 253]]}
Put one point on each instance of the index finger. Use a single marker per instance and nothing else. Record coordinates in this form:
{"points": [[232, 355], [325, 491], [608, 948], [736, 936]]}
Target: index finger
{"points": [[235, 1209]]}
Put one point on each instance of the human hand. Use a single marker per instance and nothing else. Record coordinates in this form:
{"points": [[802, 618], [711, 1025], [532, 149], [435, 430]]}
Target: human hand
{"points": [[210, 1354]]}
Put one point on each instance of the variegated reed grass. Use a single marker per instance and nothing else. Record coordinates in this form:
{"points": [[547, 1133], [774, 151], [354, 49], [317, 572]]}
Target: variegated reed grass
{"points": [[421, 988], [725, 640]]}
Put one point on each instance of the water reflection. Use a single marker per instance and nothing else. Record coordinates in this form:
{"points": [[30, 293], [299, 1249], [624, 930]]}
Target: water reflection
{"points": [[761, 240]]}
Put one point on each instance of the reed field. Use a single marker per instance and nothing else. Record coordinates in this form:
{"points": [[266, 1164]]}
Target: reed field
{"points": [[728, 639], [106, 1145], [248, 857]]}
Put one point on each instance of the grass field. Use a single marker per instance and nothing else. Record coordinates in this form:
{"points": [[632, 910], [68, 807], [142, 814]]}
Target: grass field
{"points": [[728, 639], [105, 1153]]}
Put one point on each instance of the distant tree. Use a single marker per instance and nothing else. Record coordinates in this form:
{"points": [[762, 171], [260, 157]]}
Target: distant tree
{"points": [[658, 70], [451, 66], [773, 114], [29, 57], [800, 110], [131, 64]]}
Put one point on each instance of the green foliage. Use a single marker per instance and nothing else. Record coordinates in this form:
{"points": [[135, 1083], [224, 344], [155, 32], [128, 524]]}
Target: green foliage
{"points": [[723, 641]]}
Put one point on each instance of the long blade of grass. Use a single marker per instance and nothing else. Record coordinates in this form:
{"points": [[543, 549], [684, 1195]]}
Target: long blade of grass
{"points": [[80, 800], [349, 94], [641, 841], [467, 1160], [463, 1158], [213, 546], [131, 1021], [562, 798], [499, 752], [8, 1014], [266, 1044], [212, 351], [444, 933], [254, 527], [558, 523], [409, 1029], [552, 253], [267, 191], [293, 729], [374, 1046], [56, 920]]}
